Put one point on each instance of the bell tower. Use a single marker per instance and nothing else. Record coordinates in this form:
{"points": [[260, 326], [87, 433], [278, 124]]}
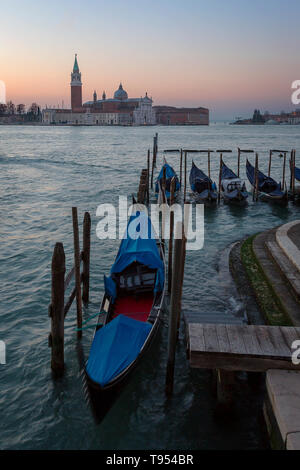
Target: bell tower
{"points": [[76, 87]]}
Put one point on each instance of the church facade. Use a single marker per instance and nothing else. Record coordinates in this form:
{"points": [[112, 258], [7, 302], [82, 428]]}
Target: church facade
{"points": [[117, 111]]}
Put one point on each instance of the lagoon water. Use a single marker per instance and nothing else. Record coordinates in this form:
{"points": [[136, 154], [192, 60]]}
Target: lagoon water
{"points": [[46, 171]]}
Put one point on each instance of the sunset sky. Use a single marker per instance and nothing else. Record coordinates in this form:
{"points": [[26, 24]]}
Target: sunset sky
{"points": [[230, 56]]}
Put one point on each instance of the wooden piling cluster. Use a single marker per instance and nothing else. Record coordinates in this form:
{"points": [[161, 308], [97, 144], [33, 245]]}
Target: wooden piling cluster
{"points": [[58, 309], [143, 191], [154, 156]]}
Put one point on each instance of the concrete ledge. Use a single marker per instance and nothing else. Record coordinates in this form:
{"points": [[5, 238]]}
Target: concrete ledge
{"points": [[286, 244], [293, 441], [276, 278], [287, 268], [283, 388]]}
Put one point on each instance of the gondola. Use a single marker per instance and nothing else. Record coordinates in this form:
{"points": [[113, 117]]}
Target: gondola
{"points": [[129, 317], [204, 190], [170, 174], [233, 189], [269, 190]]}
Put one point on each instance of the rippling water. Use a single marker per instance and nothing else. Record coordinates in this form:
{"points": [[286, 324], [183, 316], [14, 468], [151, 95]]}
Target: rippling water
{"points": [[46, 171]]}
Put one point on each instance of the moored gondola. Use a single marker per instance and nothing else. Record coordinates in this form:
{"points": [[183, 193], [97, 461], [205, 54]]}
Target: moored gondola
{"points": [[268, 189], [233, 189], [130, 314], [204, 190], [169, 175]]}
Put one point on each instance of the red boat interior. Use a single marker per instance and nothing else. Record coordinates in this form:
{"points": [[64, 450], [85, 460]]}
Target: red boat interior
{"points": [[134, 307], [135, 292]]}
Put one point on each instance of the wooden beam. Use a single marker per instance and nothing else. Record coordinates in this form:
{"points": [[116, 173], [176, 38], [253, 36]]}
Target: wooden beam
{"points": [[241, 347]]}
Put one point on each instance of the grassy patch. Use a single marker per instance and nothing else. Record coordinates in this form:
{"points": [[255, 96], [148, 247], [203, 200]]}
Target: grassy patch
{"points": [[266, 297]]}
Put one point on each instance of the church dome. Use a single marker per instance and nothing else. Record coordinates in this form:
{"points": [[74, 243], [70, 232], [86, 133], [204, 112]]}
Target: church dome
{"points": [[120, 94], [146, 98]]}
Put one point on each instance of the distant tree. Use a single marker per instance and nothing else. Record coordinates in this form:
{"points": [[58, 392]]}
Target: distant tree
{"points": [[11, 107], [21, 108], [34, 109], [3, 108], [34, 113], [257, 117]]}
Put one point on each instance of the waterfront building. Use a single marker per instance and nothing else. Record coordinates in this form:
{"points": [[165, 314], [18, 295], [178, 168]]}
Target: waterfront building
{"points": [[117, 111], [169, 115]]}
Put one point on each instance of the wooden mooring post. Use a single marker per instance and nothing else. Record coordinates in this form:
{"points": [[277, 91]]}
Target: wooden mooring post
{"points": [[148, 177], [292, 169], [283, 171], [270, 163], [143, 187], [170, 253], [77, 271], [56, 309], [220, 178], [185, 169], [240, 151], [59, 284], [155, 148], [152, 171], [175, 306], [181, 155], [255, 187], [86, 257]]}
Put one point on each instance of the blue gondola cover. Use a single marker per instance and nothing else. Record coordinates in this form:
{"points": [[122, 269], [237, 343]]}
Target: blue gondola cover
{"points": [[297, 173], [142, 249], [266, 184], [170, 173], [227, 173], [115, 346]]}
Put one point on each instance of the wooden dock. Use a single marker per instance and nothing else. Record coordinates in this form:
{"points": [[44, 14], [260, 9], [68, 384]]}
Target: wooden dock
{"points": [[255, 348]]}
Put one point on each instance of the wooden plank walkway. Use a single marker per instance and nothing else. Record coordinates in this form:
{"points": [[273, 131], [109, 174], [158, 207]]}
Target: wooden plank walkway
{"points": [[241, 347]]}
